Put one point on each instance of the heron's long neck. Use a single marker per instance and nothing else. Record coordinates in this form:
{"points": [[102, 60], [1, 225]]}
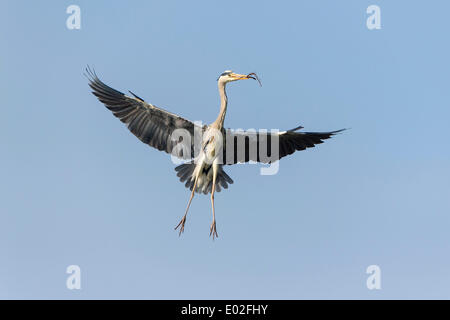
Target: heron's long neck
{"points": [[218, 124]]}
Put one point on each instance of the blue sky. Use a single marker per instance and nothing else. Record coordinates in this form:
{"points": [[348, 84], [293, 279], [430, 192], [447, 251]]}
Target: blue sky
{"points": [[79, 189]]}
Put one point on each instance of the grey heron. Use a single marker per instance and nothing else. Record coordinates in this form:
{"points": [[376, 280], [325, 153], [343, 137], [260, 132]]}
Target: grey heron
{"points": [[203, 173]]}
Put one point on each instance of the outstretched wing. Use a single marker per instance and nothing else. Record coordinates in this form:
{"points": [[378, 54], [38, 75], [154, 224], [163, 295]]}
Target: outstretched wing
{"points": [[152, 125], [262, 146]]}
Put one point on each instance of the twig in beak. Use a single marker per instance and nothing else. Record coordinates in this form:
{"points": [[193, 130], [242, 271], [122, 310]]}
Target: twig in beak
{"points": [[254, 77]]}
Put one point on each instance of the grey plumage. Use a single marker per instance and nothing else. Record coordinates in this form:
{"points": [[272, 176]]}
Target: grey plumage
{"points": [[289, 142], [204, 170], [152, 125], [185, 173]]}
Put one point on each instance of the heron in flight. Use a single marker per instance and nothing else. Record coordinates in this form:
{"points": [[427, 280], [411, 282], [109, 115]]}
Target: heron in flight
{"points": [[203, 173]]}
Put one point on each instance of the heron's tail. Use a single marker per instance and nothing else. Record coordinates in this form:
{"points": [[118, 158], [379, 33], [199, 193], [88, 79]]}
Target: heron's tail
{"points": [[204, 184]]}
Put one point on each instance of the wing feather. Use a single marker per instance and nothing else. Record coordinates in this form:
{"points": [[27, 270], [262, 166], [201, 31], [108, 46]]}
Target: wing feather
{"points": [[152, 125], [288, 142]]}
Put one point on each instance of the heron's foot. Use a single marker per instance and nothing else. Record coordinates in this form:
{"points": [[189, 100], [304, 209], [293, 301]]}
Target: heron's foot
{"points": [[213, 231], [181, 223]]}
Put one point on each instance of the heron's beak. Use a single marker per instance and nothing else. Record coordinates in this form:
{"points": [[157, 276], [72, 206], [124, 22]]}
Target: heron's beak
{"points": [[252, 75], [238, 76]]}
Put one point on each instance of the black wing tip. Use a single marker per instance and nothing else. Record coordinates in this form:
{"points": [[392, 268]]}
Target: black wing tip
{"points": [[331, 133], [95, 83], [296, 128], [328, 134], [136, 96], [90, 74], [92, 77], [339, 131]]}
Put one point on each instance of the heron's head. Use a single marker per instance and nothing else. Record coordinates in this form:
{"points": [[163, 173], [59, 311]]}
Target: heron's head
{"points": [[229, 76]]}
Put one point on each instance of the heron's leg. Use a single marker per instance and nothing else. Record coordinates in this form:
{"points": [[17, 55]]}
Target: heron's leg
{"points": [[183, 220], [212, 230]]}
